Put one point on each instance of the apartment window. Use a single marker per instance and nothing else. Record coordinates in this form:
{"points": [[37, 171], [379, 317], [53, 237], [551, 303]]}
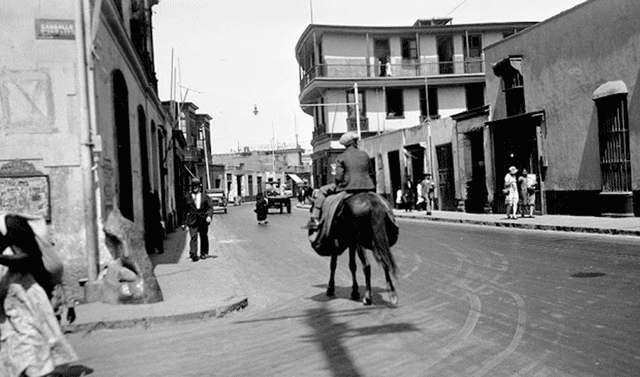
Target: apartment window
{"points": [[351, 111], [433, 104], [472, 46], [613, 133], [395, 103], [409, 48], [474, 95], [319, 118]]}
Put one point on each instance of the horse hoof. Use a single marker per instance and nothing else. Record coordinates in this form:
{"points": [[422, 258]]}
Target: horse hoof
{"points": [[366, 301], [355, 296], [393, 297]]}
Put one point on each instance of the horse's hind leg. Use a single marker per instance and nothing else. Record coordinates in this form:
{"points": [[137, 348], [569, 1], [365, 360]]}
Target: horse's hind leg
{"points": [[393, 296], [366, 267], [355, 293], [331, 287]]}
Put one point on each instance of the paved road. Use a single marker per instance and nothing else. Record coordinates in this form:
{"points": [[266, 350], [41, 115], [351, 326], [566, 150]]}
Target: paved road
{"points": [[474, 301]]}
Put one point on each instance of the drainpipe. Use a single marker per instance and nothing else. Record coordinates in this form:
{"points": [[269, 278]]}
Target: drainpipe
{"points": [[86, 160]]}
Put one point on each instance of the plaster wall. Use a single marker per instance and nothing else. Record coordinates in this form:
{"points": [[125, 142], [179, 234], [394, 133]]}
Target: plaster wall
{"points": [[39, 115], [565, 59], [345, 48], [451, 100]]}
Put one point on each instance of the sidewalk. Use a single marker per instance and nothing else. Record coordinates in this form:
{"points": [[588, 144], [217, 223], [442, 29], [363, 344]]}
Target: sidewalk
{"points": [[624, 226], [191, 290]]}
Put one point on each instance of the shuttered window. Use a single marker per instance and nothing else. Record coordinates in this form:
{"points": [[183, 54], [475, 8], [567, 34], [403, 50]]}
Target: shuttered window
{"points": [[615, 160]]}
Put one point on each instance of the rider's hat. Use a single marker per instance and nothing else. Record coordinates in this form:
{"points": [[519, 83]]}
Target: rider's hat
{"points": [[348, 138]]}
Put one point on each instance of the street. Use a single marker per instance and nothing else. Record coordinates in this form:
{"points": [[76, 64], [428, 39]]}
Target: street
{"points": [[473, 301]]}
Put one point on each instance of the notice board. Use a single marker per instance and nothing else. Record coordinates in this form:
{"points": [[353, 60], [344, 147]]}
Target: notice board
{"points": [[25, 194]]}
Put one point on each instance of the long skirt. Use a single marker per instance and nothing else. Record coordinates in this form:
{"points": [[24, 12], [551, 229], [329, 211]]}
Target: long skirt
{"points": [[31, 341]]}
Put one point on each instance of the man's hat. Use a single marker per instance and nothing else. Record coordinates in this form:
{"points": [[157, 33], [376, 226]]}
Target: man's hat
{"points": [[513, 170], [348, 138], [195, 182]]}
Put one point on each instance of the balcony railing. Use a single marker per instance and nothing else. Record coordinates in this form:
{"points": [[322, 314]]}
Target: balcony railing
{"points": [[405, 69], [352, 125], [193, 154]]}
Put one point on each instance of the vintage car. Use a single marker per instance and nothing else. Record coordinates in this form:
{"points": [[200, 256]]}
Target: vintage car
{"points": [[277, 197], [219, 199]]}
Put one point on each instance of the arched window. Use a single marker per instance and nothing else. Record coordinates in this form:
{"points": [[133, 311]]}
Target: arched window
{"points": [[124, 185], [613, 134]]}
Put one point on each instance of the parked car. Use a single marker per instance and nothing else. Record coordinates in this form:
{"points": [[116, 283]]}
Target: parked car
{"points": [[219, 199]]}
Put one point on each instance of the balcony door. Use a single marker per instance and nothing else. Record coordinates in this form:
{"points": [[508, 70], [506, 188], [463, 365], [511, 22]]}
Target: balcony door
{"points": [[445, 53], [382, 54]]}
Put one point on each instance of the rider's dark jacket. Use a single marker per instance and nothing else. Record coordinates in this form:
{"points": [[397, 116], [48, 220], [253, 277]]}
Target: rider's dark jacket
{"points": [[352, 171]]}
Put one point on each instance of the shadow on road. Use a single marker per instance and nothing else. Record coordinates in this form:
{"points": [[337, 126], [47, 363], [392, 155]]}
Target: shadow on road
{"points": [[330, 334], [379, 296]]}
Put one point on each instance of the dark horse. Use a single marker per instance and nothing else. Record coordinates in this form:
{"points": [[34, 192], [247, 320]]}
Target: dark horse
{"points": [[365, 222]]}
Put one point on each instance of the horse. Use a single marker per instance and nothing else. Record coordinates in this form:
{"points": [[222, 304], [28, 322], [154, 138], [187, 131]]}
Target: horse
{"points": [[365, 222]]}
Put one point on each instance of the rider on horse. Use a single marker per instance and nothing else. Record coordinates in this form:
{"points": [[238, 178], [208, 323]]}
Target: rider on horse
{"points": [[352, 176]]}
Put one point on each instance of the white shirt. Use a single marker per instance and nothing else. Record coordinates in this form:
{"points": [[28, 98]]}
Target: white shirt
{"points": [[196, 198]]}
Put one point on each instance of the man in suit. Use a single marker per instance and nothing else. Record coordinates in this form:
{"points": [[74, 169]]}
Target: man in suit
{"points": [[352, 175], [199, 210]]}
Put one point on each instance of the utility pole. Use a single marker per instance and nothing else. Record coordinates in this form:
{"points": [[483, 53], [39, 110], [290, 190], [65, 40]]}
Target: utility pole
{"points": [[355, 92], [206, 154]]}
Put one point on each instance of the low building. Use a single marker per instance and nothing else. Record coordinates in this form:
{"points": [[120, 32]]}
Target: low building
{"points": [[564, 106]]}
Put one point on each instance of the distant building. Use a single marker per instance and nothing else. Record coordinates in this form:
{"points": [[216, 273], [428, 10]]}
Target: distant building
{"points": [[564, 99], [404, 75], [248, 170]]}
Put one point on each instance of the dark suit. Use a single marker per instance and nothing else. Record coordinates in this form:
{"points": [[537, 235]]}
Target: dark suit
{"points": [[196, 220], [352, 171]]}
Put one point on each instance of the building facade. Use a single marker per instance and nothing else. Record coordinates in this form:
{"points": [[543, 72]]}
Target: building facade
{"points": [[247, 171], [565, 106], [82, 131], [398, 76]]}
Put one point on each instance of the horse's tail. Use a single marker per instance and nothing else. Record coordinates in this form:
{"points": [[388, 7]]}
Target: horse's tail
{"points": [[380, 240]]}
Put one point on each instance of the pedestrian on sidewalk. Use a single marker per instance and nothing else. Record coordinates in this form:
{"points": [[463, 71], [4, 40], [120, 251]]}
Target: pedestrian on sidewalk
{"points": [[523, 194], [262, 208], [408, 196], [511, 192], [32, 343], [428, 188], [198, 214]]}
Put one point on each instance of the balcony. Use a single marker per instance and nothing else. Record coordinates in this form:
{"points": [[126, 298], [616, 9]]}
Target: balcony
{"points": [[405, 69], [193, 154]]}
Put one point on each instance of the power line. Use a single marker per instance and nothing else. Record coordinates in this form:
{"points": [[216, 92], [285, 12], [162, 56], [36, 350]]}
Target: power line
{"points": [[454, 9]]}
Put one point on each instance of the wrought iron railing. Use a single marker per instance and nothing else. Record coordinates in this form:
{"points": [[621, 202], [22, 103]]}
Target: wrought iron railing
{"points": [[405, 69]]}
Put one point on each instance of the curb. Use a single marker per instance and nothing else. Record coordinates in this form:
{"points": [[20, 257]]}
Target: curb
{"points": [[146, 322], [558, 228]]}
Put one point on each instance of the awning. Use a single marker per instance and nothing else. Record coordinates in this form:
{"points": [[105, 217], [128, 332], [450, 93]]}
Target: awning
{"points": [[295, 178]]}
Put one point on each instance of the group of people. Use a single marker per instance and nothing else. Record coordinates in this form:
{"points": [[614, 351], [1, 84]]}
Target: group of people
{"points": [[520, 193], [422, 197]]}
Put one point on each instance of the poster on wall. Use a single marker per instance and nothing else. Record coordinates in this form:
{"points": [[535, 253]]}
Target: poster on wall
{"points": [[25, 194]]}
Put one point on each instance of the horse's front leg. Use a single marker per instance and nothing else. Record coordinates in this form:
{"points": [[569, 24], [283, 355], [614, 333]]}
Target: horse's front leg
{"points": [[355, 292], [393, 296], [331, 287]]}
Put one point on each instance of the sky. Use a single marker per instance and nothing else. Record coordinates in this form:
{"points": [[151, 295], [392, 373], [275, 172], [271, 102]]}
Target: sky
{"points": [[230, 56]]}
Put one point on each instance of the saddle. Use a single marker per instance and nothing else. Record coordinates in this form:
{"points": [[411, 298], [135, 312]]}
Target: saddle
{"points": [[322, 240]]}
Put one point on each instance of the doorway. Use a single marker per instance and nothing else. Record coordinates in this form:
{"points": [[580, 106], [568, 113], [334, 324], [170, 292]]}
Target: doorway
{"points": [[445, 53], [394, 172], [446, 181], [124, 183], [382, 54]]}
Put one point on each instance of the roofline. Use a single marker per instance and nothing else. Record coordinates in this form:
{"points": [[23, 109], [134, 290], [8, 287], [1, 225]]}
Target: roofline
{"points": [[544, 22], [409, 28]]}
